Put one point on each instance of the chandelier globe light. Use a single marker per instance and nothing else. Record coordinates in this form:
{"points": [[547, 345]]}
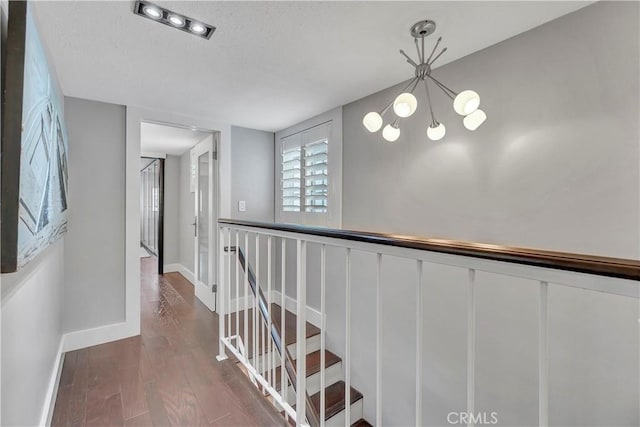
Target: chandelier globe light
{"points": [[465, 103], [436, 132], [391, 132], [372, 121]]}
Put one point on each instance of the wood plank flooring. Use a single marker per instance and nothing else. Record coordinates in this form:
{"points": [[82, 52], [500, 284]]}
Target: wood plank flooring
{"points": [[168, 375]]}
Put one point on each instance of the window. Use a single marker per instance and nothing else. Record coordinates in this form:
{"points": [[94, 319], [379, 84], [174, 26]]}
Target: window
{"points": [[309, 173]]}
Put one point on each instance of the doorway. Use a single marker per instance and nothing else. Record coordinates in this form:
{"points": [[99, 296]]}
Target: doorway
{"points": [[179, 193], [152, 209]]}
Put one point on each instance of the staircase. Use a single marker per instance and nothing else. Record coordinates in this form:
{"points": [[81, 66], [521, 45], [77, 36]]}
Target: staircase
{"points": [[262, 353]]}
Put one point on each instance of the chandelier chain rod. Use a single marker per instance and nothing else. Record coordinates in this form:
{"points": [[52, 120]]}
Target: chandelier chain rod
{"points": [[409, 60], [438, 56], [434, 49], [415, 40], [450, 93], [433, 117]]}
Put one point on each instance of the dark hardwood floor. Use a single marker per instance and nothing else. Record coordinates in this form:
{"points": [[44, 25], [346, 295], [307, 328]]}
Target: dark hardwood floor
{"points": [[166, 376]]}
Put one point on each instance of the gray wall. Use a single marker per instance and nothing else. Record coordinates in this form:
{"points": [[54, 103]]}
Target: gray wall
{"points": [[252, 153], [171, 210], [32, 307], [555, 166], [186, 213], [94, 264]]}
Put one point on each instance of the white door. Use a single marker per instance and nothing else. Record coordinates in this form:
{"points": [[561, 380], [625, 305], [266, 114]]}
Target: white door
{"points": [[206, 208]]}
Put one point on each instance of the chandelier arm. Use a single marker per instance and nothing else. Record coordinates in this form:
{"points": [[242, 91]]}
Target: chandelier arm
{"points": [[385, 109], [450, 93], [409, 60], [438, 56], [434, 49], [420, 58], [433, 117]]}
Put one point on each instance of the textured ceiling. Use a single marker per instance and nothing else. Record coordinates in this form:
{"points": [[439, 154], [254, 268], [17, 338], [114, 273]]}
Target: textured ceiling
{"points": [[269, 64], [161, 139]]}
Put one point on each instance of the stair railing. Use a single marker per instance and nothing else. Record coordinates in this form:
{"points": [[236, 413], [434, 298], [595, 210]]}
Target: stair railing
{"points": [[311, 413], [540, 282]]}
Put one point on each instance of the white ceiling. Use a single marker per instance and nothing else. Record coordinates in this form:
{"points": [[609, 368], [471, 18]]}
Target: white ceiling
{"points": [[161, 139], [269, 64]]}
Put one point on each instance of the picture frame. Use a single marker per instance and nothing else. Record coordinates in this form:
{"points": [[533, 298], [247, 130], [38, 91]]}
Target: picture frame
{"points": [[34, 185]]}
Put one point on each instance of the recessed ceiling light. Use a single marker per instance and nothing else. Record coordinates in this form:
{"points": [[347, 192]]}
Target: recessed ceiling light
{"points": [[175, 20], [198, 28], [152, 12]]}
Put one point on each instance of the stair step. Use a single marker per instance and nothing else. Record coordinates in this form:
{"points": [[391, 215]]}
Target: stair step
{"points": [[361, 423], [312, 331], [313, 364], [335, 399]]}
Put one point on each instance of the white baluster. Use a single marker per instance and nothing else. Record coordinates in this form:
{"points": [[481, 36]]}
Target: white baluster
{"points": [[227, 283], [221, 293], [301, 344], [323, 328], [378, 340], [419, 319], [471, 345], [259, 331], [269, 339], [347, 358], [283, 340], [237, 287], [245, 340], [255, 314], [543, 358]]}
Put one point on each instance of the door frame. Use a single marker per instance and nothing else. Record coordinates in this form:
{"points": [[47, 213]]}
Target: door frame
{"points": [[207, 292]]}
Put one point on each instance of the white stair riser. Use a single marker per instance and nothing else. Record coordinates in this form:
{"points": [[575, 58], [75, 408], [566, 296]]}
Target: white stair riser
{"points": [[332, 375], [313, 344], [357, 411]]}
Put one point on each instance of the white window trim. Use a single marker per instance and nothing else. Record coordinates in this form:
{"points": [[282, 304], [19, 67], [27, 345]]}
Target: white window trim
{"points": [[333, 217]]}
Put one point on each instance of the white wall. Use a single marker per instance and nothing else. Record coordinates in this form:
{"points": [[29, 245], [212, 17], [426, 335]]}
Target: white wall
{"points": [[186, 213], [32, 307], [252, 153], [171, 210], [555, 166], [94, 292]]}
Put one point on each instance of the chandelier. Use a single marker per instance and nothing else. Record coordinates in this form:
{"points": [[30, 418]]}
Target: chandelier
{"points": [[465, 103]]}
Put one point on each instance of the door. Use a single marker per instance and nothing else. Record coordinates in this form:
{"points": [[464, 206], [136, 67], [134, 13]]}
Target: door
{"points": [[206, 208]]}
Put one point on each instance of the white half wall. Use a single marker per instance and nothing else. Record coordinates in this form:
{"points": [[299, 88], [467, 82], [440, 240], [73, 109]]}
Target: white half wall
{"points": [[32, 309]]}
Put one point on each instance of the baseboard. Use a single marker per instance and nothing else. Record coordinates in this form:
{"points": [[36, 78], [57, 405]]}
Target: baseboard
{"points": [[52, 389], [313, 316], [179, 268], [100, 335]]}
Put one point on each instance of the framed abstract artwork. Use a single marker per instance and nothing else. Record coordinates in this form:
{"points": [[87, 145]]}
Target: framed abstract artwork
{"points": [[34, 185]]}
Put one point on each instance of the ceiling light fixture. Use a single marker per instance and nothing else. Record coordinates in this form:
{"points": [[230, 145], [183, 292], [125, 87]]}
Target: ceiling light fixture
{"points": [[197, 28], [152, 12], [465, 103], [175, 20]]}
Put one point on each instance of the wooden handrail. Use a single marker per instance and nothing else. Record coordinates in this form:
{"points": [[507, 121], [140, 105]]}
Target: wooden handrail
{"points": [[591, 264]]}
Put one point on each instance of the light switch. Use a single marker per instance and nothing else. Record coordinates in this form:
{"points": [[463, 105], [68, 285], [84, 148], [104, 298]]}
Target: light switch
{"points": [[242, 206]]}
